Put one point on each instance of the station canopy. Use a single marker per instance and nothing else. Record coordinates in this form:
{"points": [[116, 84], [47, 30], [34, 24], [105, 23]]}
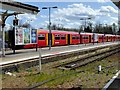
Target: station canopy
{"points": [[18, 7], [116, 2]]}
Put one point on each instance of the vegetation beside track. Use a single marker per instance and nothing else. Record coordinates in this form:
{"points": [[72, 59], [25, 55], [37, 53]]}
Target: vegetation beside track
{"points": [[87, 78]]}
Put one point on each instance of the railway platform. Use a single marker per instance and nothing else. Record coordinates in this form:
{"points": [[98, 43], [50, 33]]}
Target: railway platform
{"points": [[27, 54]]}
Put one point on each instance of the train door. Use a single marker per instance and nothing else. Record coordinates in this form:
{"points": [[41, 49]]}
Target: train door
{"points": [[80, 39], [89, 38], [49, 38], [68, 39]]}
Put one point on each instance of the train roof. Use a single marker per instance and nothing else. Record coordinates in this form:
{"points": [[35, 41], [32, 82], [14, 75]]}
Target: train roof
{"points": [[43, 30], [57, 31], [109, 35], [64, 32], [87, 33], [100, 34]]}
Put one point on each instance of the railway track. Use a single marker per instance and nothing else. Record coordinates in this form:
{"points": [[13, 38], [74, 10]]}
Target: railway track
{"points": [[34, 62], [95, 56], [36, 85]]}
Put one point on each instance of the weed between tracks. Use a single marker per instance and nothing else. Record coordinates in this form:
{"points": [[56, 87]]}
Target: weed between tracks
{"points": [[87, 79]]}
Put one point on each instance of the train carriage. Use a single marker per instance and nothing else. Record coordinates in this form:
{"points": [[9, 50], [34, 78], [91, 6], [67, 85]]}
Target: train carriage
{"points": [[105, 38], [74, 38], [101, 38], [109, 37], [117, 38], [86, 37], [113, 38], [42, 38], [59, 38]]}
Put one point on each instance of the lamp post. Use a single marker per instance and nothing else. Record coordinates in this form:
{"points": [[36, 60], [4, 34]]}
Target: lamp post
{"points": [[49, 8], [88, 18]]}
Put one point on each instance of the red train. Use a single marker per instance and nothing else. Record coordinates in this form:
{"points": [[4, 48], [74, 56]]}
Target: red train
{"points": [[68, 38]]}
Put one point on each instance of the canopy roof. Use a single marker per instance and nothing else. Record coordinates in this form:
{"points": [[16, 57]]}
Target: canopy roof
{"points": [[19, 7]]}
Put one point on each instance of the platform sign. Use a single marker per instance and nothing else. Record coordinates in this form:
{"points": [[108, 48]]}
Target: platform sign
{"points": [[25, 36]]}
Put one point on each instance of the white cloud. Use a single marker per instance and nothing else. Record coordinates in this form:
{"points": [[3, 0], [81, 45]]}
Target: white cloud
{"points": [[115, 19], [103, 1], [43, 16], [46, 22], [74, 12], [27, 16], [60, 20], [108, 9], [79, 9], [111, 23], [105, 21]]}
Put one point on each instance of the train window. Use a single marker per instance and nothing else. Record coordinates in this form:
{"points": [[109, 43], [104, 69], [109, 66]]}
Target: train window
{"points": [[63, 38], [100, 37], [109, 37], [62, 35], [41, 37], [73, 37], [85, 37], [77, 37], [57, 37]]}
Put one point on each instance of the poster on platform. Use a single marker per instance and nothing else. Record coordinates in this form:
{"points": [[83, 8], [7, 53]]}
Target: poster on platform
{"points": [[26, 36], [33, 36], [19, 36]]}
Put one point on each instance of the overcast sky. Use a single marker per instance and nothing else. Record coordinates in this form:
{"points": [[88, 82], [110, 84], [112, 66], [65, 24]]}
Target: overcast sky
{"points": [[68, 14]]}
